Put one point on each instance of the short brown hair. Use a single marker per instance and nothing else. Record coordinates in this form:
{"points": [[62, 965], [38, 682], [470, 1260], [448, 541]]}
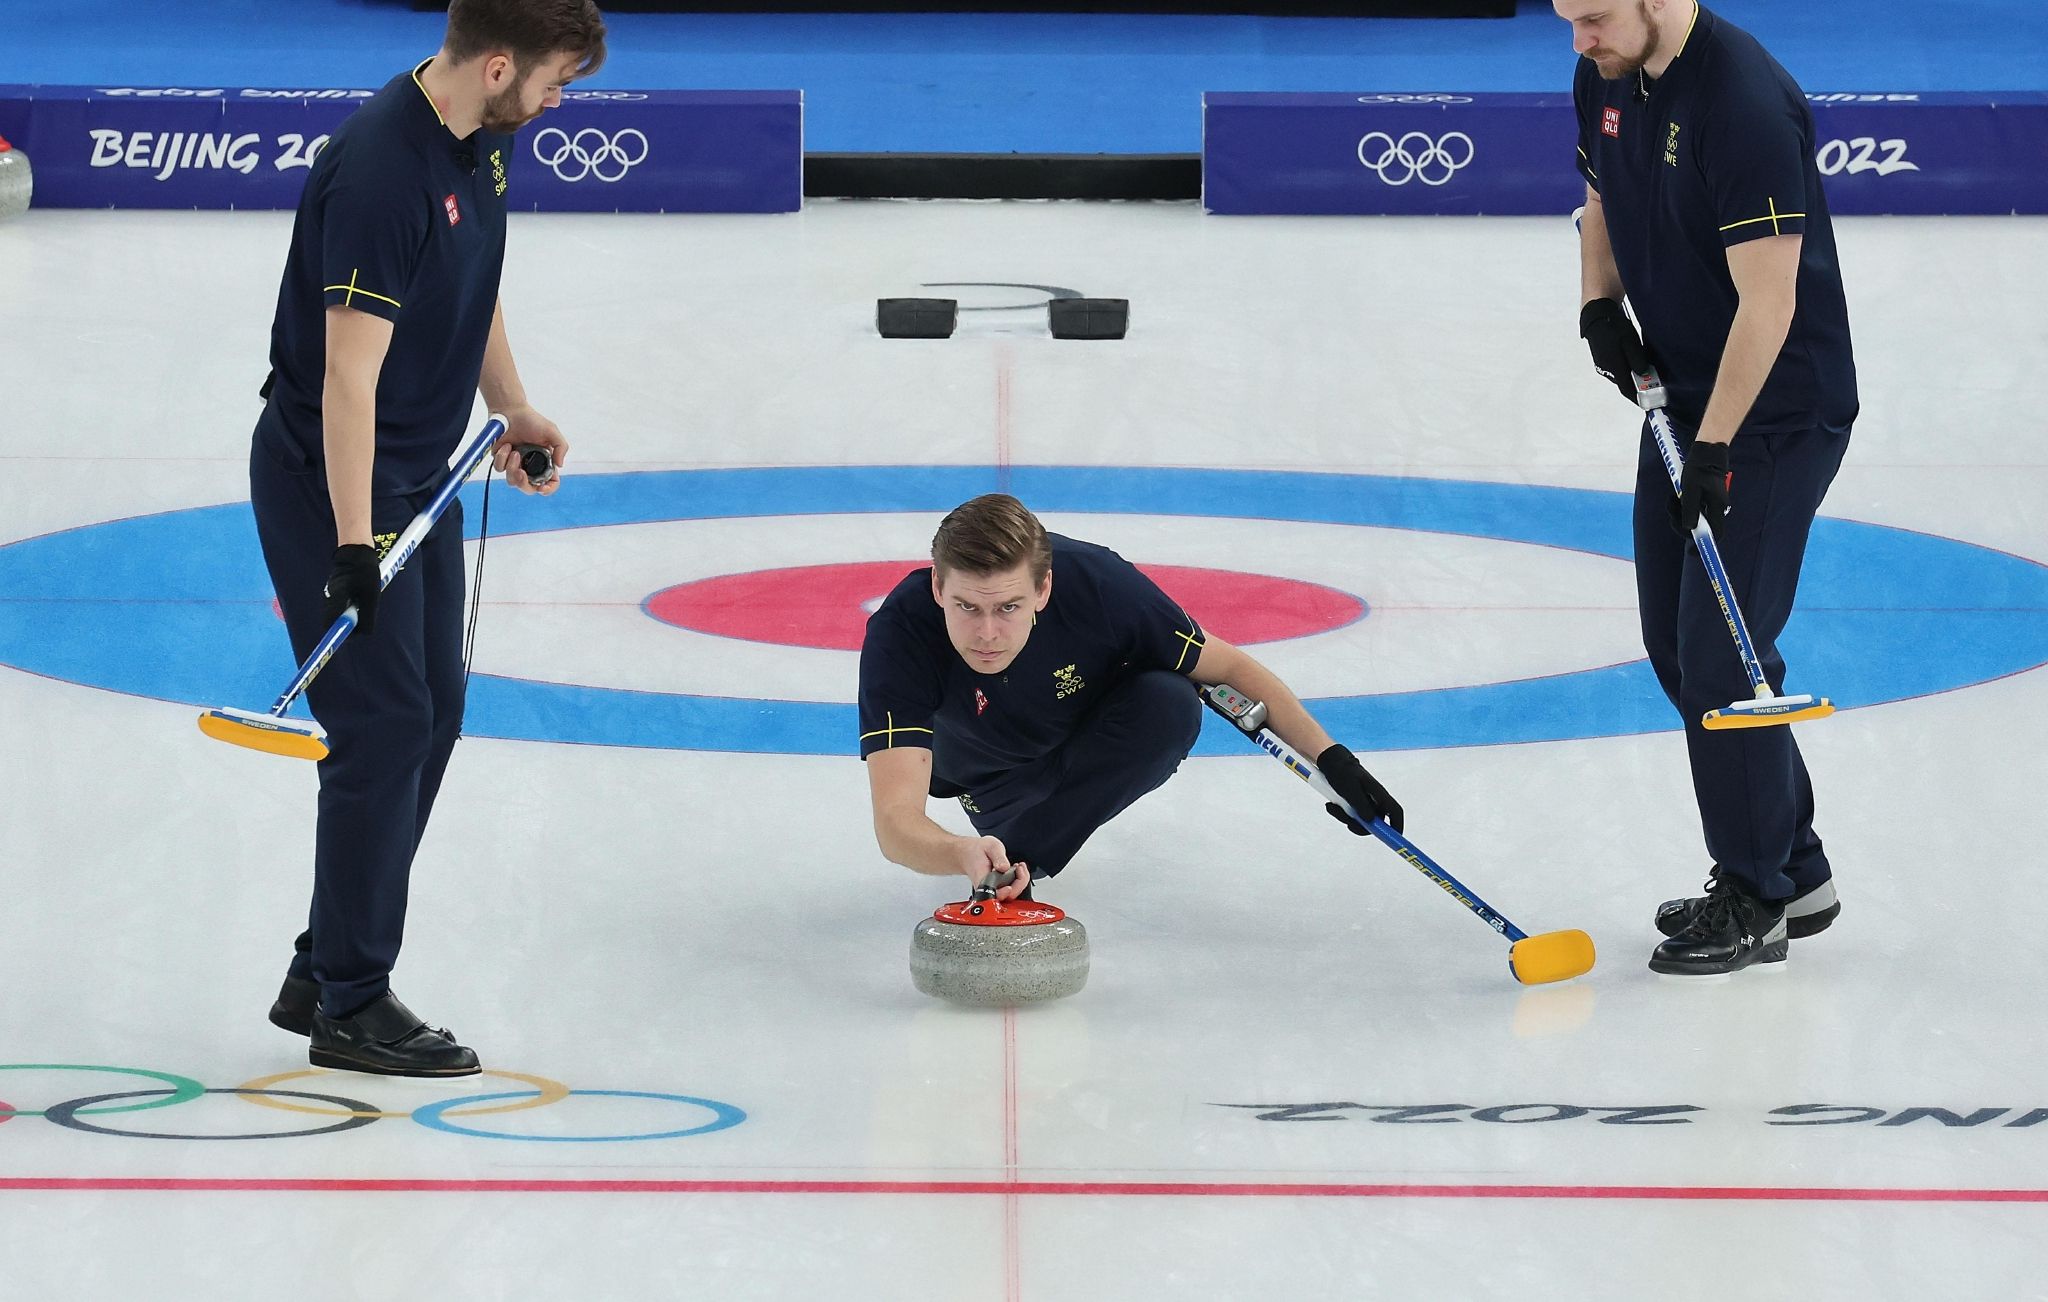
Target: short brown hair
{"points": [[528, 30], [992, 533]]}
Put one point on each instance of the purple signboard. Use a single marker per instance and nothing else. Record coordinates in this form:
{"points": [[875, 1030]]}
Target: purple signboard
{"points": [[1456, 154], [601, 151]]}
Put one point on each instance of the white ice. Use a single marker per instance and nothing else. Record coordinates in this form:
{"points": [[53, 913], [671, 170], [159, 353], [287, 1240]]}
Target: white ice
{"points": [[721, 926]]}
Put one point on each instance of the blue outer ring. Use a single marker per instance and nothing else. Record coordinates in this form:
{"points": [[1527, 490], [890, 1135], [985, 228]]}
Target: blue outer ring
{"points": [[176, 606], [724, 1117]]}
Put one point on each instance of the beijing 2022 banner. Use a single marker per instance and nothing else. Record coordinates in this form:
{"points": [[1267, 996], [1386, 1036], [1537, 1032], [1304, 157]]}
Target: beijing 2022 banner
{"points": [[1457, 154], [243, 147]]}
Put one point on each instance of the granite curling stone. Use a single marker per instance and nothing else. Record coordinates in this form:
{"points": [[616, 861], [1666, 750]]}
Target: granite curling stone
{"points": [[999, 954], [17, 181]]}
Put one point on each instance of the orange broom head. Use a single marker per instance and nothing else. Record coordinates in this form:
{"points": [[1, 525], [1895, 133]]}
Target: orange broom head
{"points": [[1552, 956], [1768, 712], [292, 738]]}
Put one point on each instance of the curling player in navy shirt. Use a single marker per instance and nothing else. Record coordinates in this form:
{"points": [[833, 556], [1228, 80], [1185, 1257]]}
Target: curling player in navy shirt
{"points": [[1704, 209], [388, 323], [1046, 684]]}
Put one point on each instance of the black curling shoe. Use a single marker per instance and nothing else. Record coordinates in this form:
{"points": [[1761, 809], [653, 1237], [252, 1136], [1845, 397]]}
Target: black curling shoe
{"points": [[1806, 914], [1728, 932], [385, 1038], [295, 1004]]}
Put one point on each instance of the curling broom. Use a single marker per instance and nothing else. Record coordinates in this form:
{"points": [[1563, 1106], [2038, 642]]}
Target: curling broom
{"points": [[1534, 960], [274, 734]]}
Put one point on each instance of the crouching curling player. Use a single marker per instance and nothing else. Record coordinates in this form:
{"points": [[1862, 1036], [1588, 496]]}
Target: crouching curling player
{"points": [[1045, 709]]}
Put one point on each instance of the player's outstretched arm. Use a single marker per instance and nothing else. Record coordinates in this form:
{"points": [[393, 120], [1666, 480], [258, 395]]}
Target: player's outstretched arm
{"points": [[899, 783], [1221, 662]]}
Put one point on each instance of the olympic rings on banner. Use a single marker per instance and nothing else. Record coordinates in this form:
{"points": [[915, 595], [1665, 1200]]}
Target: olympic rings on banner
{"points": [[184, 1088], [66, 1114], [724, 1116], [340, 1113], [550, 1091], [1416, 156], [1415, 99], [590, 152]]}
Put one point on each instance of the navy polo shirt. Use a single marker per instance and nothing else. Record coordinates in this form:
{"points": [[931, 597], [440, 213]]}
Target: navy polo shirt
{"points": [[404, 220], [1105, 620], [1716, 152]]}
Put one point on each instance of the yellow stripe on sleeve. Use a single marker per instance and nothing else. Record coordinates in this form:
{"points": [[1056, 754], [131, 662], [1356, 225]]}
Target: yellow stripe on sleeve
{"points": [[1773, 217], [890, 730], [352, 289]]}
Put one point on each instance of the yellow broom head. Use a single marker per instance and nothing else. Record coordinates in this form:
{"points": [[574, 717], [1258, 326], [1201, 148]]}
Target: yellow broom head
{"points": [[292, 738], [1552, 956], [1768, 712]]}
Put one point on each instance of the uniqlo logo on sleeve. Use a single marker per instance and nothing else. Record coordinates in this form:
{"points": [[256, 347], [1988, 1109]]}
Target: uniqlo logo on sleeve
{"points": [[455, 213], [1610, 125]]}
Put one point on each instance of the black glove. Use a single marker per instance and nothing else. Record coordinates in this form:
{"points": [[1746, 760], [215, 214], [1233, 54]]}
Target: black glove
{"points": [[1617, 349], [353, 582], [1702, 488], [1341, 769]]}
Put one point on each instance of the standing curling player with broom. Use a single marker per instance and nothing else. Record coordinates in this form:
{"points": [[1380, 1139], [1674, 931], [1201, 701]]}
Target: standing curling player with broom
{"points": [[387, 325], [1704, 208]]}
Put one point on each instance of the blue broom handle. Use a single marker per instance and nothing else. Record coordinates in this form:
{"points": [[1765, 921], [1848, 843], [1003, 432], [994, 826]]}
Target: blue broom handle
{"points": [[394, 560], [1379, 827], [1710, 555]]}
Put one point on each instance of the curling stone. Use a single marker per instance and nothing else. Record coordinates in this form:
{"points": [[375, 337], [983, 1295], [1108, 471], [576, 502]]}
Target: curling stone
{"points": [[999, 954], [16, 180]]}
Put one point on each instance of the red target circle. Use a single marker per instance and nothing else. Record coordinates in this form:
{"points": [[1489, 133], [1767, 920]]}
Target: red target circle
{"points": [[827, 606]]}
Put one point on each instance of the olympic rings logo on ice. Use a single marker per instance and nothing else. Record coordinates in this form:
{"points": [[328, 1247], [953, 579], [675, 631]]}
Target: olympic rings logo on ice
{"points": [[334, 1113], [1415, 156], [619, 95], [590, 152], [1415, 99]]}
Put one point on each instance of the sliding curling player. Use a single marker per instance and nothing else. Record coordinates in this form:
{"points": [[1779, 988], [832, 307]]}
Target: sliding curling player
{"points": [[1047, 685], [1043, 682]]}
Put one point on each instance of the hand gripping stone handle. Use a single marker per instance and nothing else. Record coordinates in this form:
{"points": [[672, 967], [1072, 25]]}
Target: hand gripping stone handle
{"points": [[992, 883]]}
